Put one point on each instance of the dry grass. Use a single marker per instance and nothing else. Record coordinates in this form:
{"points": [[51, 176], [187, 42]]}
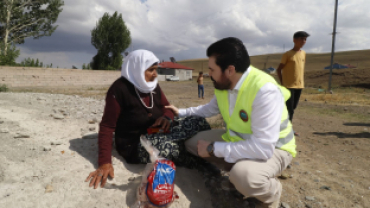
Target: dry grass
{"points": [[314, 62], [338, 98]]}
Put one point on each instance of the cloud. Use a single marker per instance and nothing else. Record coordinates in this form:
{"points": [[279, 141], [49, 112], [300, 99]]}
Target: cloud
{"points": [[184, 29]]}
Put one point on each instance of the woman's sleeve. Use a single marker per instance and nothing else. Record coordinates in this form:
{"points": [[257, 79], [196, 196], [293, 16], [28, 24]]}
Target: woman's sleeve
{"points": [[107, 127], [164, 102]]}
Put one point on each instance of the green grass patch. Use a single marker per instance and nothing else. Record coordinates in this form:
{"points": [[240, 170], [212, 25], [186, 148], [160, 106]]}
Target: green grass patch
{"points": [[4, 88], [336, 112]]}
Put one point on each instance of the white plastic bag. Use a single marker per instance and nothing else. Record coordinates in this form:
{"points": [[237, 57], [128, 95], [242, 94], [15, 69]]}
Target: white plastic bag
{"points": [[161, 174]]}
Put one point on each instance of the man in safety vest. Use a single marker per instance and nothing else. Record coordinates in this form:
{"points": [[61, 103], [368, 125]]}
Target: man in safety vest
{"points": [[259, 140]]}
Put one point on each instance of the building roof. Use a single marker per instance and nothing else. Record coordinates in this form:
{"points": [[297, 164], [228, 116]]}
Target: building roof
{"points": [[171, 65]]}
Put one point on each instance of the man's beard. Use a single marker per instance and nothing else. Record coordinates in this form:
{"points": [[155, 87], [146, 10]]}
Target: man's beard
{"points": [[224, 84]]}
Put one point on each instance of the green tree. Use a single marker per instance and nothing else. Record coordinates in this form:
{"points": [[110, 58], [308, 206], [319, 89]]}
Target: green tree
{"points": [[110, 37], [37, 63], [83, 66], [20, 19], [8, 55], [32, 63], [41, 64]]}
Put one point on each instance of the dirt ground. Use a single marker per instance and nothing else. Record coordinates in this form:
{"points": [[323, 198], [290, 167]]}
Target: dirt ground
{"points": [[332, 166]]}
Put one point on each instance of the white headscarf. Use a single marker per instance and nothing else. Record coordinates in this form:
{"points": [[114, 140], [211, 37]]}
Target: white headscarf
{"points": [[134, 67]]}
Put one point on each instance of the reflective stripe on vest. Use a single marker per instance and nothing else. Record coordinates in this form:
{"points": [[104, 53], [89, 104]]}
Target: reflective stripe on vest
{"points": [[280, 142]]}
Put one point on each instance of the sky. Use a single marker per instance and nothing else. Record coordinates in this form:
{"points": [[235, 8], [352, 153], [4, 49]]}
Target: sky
{"points": [[185, 28]]}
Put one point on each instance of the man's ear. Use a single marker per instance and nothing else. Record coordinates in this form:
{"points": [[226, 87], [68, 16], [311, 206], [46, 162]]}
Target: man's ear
{"points": [[230, 71]]}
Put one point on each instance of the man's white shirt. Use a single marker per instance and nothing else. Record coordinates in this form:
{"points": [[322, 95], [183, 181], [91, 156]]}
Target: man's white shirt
{"points": [[265, 123]]}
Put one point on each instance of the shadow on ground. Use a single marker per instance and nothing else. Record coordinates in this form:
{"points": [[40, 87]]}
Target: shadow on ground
{"points": [[343, 135], [356, 124]]}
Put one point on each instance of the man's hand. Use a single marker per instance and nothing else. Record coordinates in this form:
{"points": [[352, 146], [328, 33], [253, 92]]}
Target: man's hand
{"points": [[163, 122], [174, 109], [101, 173], [202, 148]]}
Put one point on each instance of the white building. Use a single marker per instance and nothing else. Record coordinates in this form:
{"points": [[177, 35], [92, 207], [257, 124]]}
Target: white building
{"points": [[168, 69]]}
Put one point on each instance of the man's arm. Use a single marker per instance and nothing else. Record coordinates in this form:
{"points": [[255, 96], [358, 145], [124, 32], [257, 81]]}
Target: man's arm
{"points": [[281, 66], [266, 117], [208, 110]]}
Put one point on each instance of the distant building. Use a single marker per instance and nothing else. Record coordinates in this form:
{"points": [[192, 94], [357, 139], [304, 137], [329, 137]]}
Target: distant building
{"points": [[169, 69]]}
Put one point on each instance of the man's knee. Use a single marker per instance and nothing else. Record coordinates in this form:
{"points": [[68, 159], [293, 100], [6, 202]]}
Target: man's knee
{"points": [[191, 146], [248, 179]]}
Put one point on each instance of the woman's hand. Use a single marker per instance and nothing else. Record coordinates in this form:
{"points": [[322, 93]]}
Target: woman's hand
{"points": [[174, 109], [101, 173], [163, 122]]}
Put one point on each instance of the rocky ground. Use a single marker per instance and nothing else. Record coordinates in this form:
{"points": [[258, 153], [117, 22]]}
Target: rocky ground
{"points": [[49, 147]]}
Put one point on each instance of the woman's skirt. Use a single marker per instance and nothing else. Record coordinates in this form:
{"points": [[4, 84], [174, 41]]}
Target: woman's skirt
{"points": [[172, 145]]}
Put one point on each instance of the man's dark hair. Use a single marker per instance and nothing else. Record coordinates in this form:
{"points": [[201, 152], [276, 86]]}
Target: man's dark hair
{"points": [[301, 34], [200, 73], [230, 51]]}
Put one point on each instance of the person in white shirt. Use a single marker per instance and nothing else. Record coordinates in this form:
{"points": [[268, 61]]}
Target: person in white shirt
{"points": [[259, 140]]}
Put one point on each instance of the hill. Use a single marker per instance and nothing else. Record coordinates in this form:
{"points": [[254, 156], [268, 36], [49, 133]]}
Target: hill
{"points": [[314, 61]]}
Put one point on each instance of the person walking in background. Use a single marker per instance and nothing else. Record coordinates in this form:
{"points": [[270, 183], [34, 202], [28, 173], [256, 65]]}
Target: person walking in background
{"points": [[200, 85], [291, 71]]}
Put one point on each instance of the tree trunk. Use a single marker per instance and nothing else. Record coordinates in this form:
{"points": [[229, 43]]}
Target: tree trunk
{"points": [[8, 13]]}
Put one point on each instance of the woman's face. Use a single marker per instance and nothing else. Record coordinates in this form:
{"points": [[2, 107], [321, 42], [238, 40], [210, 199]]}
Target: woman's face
{"points": [[151, 73]]}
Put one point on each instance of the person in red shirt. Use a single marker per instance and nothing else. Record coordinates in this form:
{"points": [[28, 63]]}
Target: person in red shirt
{"points": [[135, 104]]}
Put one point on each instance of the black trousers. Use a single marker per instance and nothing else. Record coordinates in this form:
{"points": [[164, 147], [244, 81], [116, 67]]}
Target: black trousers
{"points": [[292, 103]]}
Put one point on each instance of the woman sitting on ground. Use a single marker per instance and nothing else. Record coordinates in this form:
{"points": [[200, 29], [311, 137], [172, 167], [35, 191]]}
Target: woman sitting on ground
{"points": [[134, 104]]}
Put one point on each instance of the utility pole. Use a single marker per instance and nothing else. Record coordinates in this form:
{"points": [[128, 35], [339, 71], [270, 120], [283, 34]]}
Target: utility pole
{"points": [[264, 67], [333, 43]]}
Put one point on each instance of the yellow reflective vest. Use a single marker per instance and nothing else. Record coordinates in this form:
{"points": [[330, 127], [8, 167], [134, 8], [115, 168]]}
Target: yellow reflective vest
{"points": [[238, 125]]}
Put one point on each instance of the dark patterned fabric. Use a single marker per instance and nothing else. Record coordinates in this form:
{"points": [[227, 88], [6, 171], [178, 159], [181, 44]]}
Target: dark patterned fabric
{"points": [[171, 145]]}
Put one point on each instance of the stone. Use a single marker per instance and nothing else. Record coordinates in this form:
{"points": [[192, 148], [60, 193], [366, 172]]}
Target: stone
{"points": [[284, 176], [1, 122], [92, 128], [46, 148], [308, 205], [90, 135], [310, 198], [48, 188], [131, 179], [316, 180], [296, 163], [57, 116], [93, 121], [18, 136], [285, 205], [4, 130], [56, 143], [326, 188]]}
